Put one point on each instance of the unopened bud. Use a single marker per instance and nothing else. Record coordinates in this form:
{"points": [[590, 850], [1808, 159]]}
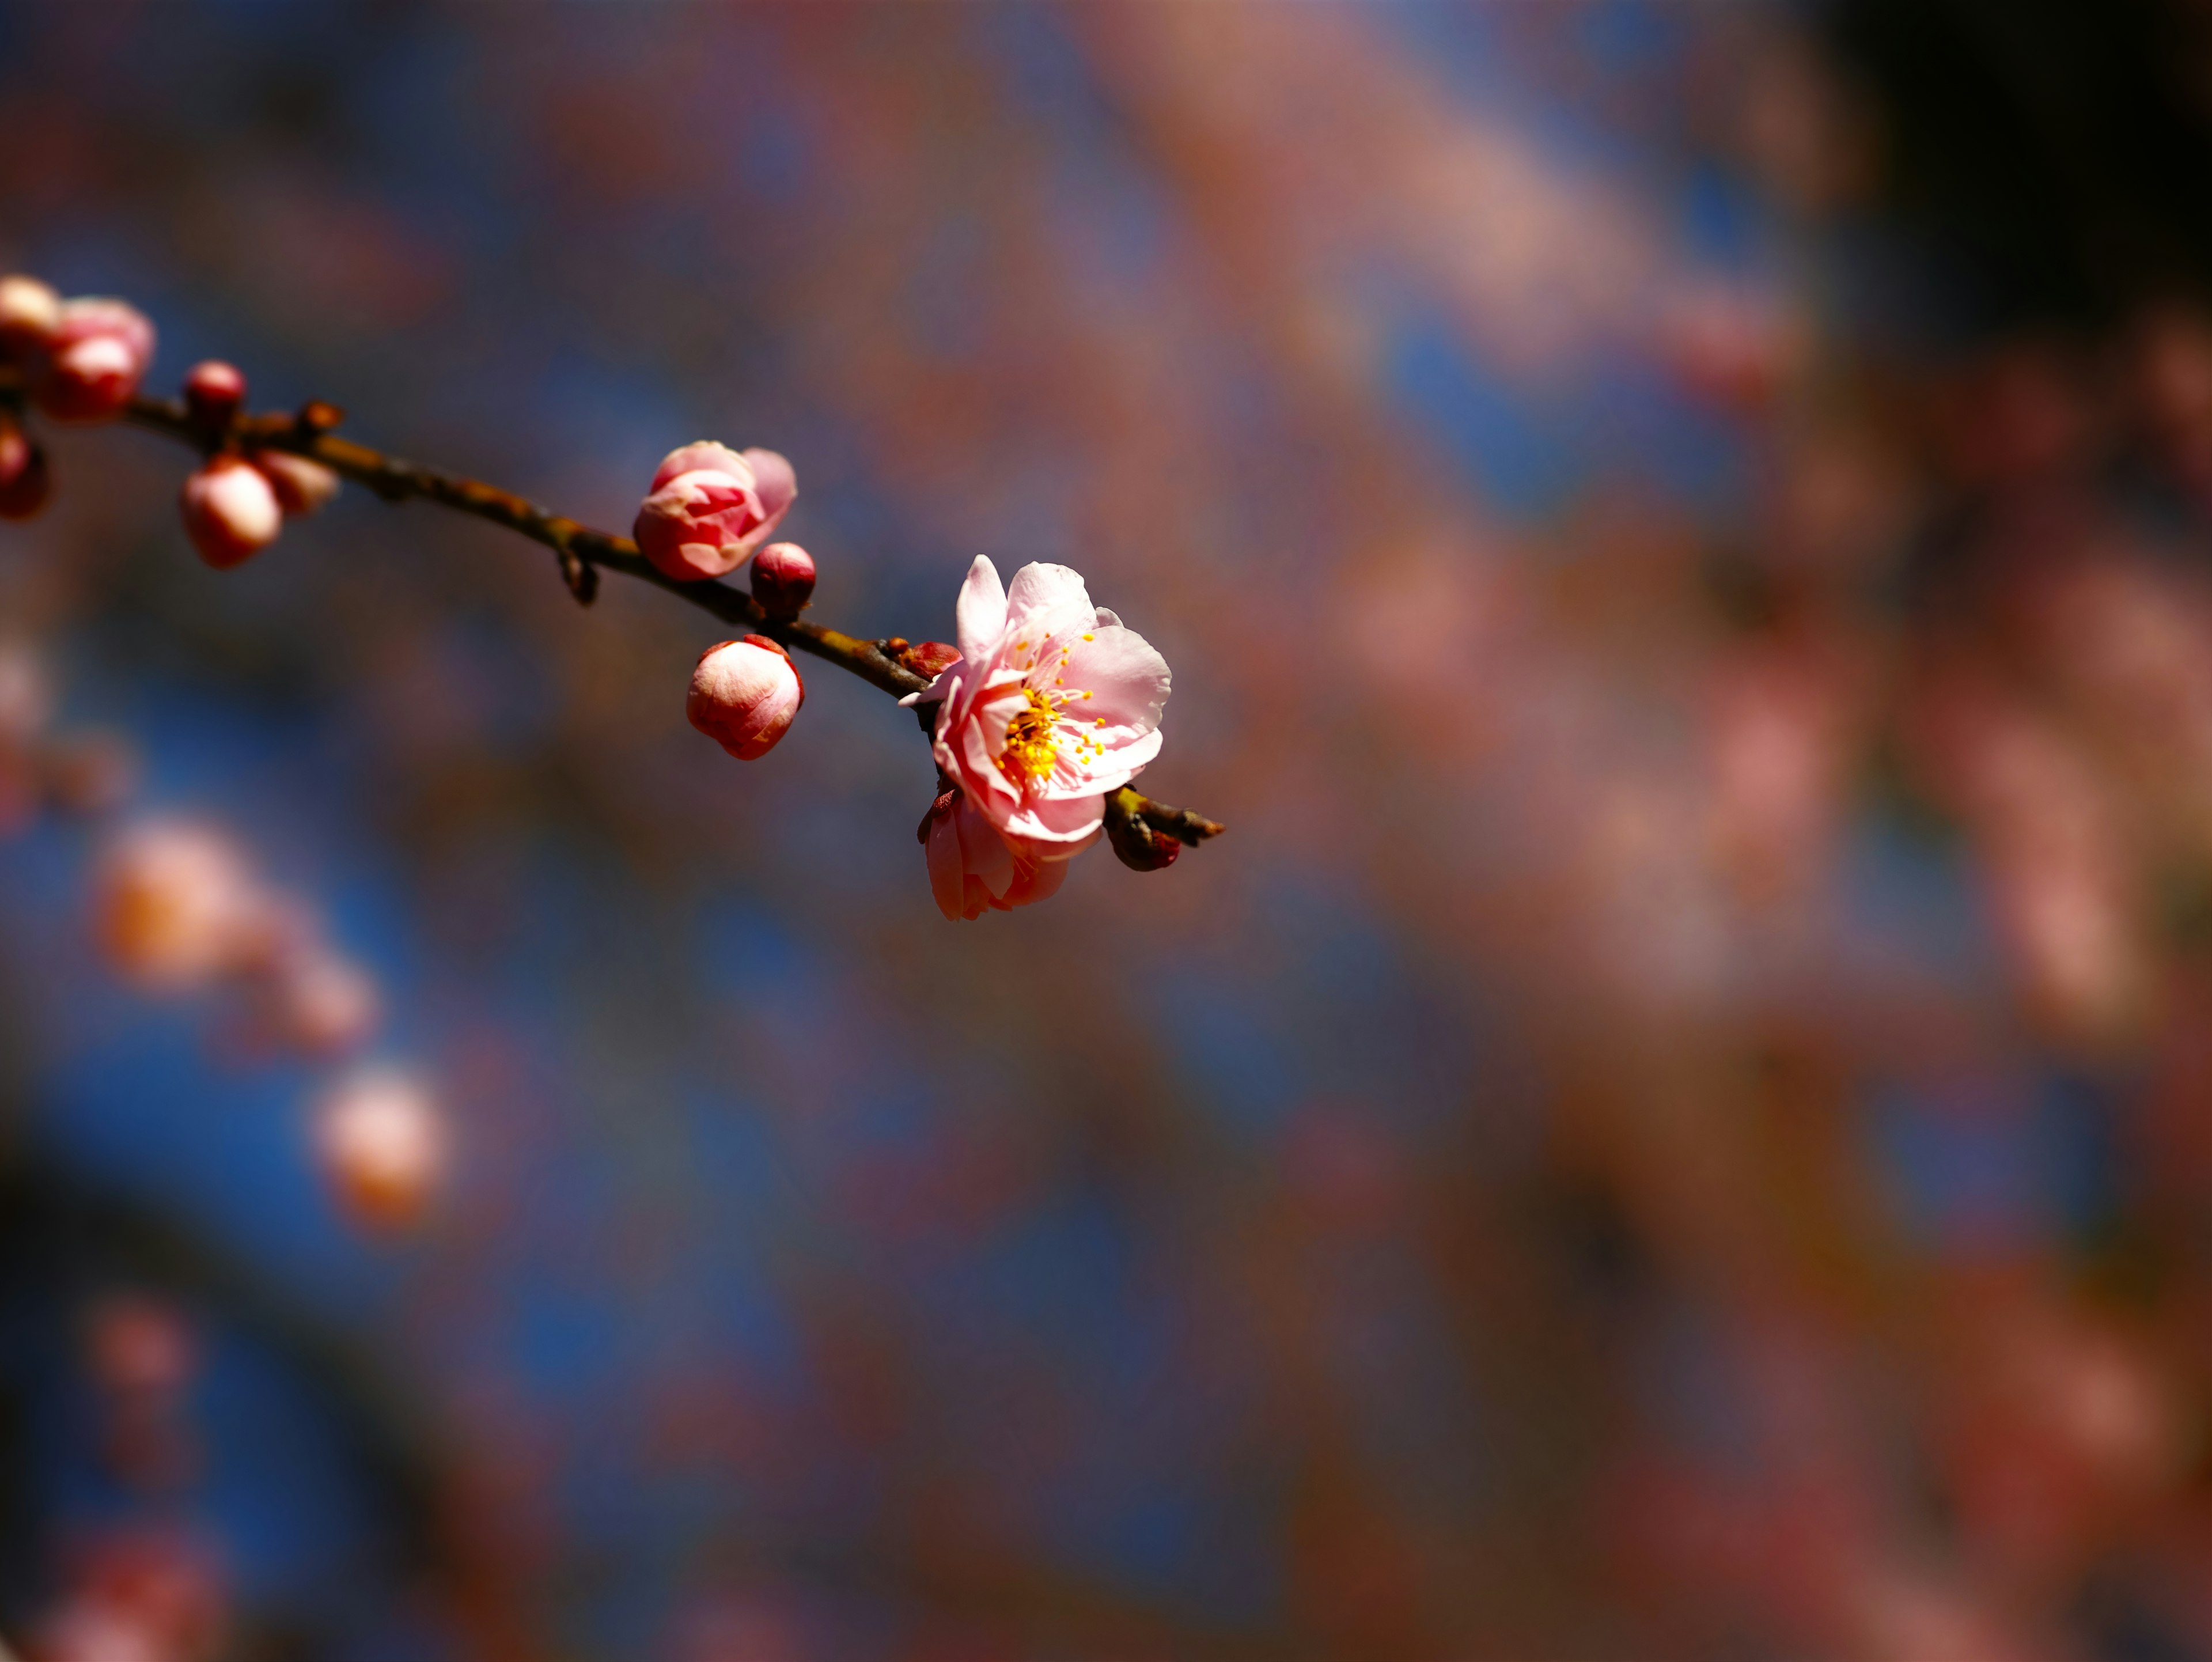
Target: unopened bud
{"points": [[931, 658], [382, 1145], [319, 1003], [301, 485], [29, 311], [175, 904], [92, 360], [710, 507], [213, 392], [231, 512], [744, 695], [783, 579], [25, 484]]}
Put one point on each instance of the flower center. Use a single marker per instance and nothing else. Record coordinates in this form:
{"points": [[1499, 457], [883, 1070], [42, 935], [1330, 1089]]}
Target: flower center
{"points": [[1030, 754]]}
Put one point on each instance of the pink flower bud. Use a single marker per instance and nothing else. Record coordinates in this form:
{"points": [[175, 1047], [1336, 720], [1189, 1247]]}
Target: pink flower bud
{"points": [[92, 360], [783, 579], [744, 695], [710, 507], [25, 484], [382, 1146], [213, 392], [29, 313], [301, 485], [231, 512], [174, 905], [319, 1003], [931, 658]]}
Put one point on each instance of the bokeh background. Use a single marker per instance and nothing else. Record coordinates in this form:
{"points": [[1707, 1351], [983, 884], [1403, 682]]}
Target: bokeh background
{"points": [[1677, 1123]]}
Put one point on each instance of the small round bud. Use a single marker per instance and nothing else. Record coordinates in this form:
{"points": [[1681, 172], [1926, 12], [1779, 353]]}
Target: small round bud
{"points": [[744, 695], [783, 579], [301, 485], [213, 392], [25, 484], [231, 512], [381, 1143], [92, 360], [29, 313]]}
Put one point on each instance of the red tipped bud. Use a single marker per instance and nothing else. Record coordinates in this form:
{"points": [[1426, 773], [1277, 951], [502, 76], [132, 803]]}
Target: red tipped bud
{"points": [[931, 658], [231, 512], [301, 485], [744, 695], [29, 313], [25, 484], [213, 392], [783, 579], [92, 360]]}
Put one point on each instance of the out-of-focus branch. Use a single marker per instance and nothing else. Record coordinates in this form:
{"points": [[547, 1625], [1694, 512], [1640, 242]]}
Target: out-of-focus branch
{"points": [[1147, 835]]}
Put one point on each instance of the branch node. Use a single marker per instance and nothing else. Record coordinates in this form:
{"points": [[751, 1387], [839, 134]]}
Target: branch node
{"points": [[317, 417], [582, 577]]}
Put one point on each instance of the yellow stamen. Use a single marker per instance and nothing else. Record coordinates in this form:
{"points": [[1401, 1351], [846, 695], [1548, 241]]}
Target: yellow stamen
{"points": [[1029, 755]]}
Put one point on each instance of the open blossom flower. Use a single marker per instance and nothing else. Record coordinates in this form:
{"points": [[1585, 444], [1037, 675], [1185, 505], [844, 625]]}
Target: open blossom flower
{"points": [[973, 869], [709, 508], [91, 361], [1052, 705]]}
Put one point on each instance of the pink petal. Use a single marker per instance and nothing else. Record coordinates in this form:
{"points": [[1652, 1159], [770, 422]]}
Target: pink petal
{"points": [[946, 873], [980, 614], [773, 479], [1128, 679], [1046, 600], [704, 456], [1055, 830]]}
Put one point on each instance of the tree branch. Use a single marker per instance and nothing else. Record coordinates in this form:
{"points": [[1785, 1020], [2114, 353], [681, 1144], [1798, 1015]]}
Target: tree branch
{"points": [[583, 553]]}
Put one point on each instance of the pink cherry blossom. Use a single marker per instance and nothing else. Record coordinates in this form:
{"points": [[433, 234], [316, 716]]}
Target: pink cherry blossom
{"points": [[745, 695], [1053, 704], [709, 508], [973, 869]]}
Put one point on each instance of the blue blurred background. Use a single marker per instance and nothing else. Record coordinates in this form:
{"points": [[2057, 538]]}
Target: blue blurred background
{"points": [[1676, 1122]]}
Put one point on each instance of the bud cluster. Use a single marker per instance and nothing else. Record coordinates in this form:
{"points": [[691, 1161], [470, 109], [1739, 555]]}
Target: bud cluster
{"points": [[235, 504], [178, 909], [78, 360]]}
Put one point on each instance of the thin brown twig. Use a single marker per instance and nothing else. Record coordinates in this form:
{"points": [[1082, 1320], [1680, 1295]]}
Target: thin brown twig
{"points": [[1136, 824]]}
